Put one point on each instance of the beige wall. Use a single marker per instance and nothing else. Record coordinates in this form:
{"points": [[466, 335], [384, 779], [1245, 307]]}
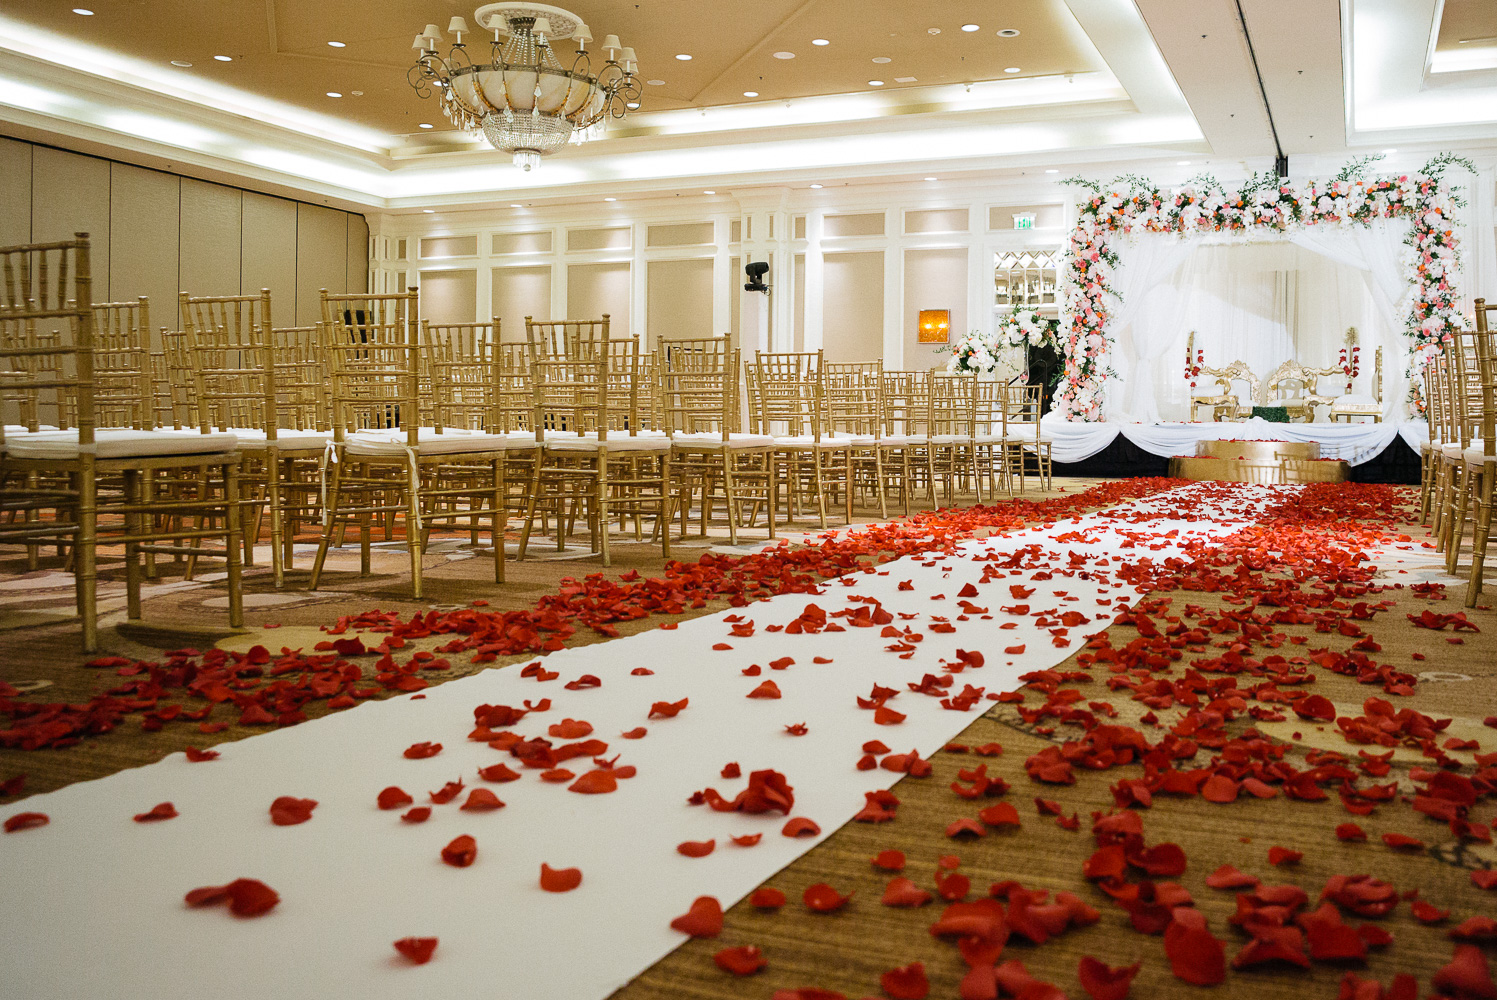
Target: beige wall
{"points": [[680, 303], [933, 279], [852, 312], [519, 292], [595, 289], [156, 233], [449, 296]]}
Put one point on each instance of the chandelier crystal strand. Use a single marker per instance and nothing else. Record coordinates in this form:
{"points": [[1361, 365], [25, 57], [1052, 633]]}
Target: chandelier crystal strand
{"points": [[522, 100]]}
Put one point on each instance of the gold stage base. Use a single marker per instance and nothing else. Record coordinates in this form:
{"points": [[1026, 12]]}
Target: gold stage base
{"points": [[1259, 462]]}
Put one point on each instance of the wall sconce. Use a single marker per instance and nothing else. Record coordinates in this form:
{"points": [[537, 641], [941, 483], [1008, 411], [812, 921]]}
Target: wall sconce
{"points": [[935, 326]]}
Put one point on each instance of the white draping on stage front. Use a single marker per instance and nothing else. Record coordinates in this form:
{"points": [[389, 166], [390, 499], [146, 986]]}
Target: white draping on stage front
{"points": [[1356, 443]]}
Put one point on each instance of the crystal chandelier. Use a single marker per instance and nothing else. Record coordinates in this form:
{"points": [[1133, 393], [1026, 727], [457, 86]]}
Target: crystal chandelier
{"points": [[521, 98]]}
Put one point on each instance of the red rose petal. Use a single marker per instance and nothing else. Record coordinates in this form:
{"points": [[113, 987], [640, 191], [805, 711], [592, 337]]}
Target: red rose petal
{"points": [[481, 800], [420, 814], [420, 751], [1195, 956], [247, 897], [1102, 982], [289, 811], [800, 826], [197, 756], [1467, 976], [393, 798], [162, 810], [461, 852], [667, 709], [1403, 842], [1427, 913], [767, 899], [636, 733], [769, 689], [498, 773], [1484, 878], [570, 729], [731, 770], [889, 861], [1227, 877], [875, 747], [704, 919], [747, 839], [1351, 832], [1283, 856], [742, 961], [696, 848], [560, 879], [886, 716], [1001, 814], [906, 982], [902, 892], [418, 950], [822, 898]]}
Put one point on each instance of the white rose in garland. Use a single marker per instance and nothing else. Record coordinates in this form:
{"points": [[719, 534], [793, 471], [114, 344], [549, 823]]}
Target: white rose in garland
{"points": [[1027, 328]]}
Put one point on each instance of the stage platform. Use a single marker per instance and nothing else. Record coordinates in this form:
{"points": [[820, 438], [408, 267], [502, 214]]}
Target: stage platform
{"points": [[1381, 452]]}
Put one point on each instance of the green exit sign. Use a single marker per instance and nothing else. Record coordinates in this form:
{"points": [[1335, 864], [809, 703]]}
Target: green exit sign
{"points": [[1024, 220]]}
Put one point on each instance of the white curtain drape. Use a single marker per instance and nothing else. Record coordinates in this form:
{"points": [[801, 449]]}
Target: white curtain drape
{"points": [[1144, 262]]}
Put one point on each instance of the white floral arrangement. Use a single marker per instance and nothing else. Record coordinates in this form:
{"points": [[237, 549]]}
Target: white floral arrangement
{"points": [[974, 353], [1027, 328], [1133, 204]]}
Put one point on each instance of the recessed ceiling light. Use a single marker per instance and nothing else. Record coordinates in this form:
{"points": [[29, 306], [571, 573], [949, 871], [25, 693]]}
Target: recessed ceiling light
{"points": [[683, 57], [1008, 33], [971, 27], [906, 79], [338, 45], [632, 105], [426, 125], [1052, 170], [882, 59], [875, 83], [333, 93], [932, 178], [182, 63], [610, 199], [709, 192], [224, 58], [1389, 152], [933, 31], [656, 83], [515, 204], [784, 55], [357, 93], [750, 93], [428, 211], [84, 11], [1011, 69], [821, 41], [816, 185]]}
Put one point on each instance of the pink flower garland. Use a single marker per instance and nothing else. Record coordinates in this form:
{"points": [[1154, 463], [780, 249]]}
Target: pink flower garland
{"points": [[1424, 199]]}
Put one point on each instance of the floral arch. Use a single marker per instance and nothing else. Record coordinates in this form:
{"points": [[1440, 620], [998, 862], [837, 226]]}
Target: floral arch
{"points": [[1267, 204]]}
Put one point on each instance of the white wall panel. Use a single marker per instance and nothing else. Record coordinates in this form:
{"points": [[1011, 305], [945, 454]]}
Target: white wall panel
{"points": [[143, 230]]}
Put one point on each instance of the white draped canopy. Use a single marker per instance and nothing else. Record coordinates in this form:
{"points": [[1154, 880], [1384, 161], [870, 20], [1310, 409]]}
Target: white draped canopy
{"points": [[1263, 301]]}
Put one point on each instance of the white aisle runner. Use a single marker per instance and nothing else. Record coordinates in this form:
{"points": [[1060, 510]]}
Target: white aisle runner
{"points": [[93, 903]]}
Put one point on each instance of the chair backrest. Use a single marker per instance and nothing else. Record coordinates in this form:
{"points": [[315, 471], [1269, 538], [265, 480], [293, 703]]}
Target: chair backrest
{"points": [[854, 397], [906, 402], [463, 365], [785, 394], [46, 333], [1486, 359], [229, 340], [123, 396], [374, 354], [565, 338], [301, 378], [1465, 388], [952, 404], [1023, 405], [696, 384]]}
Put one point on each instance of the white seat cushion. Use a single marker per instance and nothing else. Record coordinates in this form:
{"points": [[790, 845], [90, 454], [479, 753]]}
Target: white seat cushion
{"points": [[951, 439], [1476, 456], [117, 442], [829, 443], [711, 439], [1454, 450], [614, 443], [286, 439], [903, 440], [390, 443]]}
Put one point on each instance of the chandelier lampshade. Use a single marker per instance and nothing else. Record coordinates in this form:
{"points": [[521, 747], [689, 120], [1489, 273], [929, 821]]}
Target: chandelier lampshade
{"points": [[517, 94]]}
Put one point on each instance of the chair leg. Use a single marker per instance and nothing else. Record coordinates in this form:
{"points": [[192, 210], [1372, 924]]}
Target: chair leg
{"points": [[134, 523], [1462, 510], [662, 518], [330, 525], [1486, 486], [277, 516], [500, 518], [414, 537], [85, 567], [234, 525]]}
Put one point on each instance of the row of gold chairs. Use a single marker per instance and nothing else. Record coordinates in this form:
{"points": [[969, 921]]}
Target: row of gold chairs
{"points": [[1459, 465], [376, 421]]}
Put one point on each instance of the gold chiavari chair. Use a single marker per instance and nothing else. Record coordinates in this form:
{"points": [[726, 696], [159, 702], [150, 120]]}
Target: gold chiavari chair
{"points": [[787, 402], [1464, 395], [595, 455], [303, 412], [906, 435], [179, 378], [1481, 460], [1022, 428], [952, 421], [385, 462], [697, 402], [1440, 369], [1429, 464], [999, 458], [49, 284], [854, 402]]}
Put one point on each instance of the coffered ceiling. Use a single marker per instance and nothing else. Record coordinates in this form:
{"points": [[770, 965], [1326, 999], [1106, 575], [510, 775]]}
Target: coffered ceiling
{"points": [[899, 89]]}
